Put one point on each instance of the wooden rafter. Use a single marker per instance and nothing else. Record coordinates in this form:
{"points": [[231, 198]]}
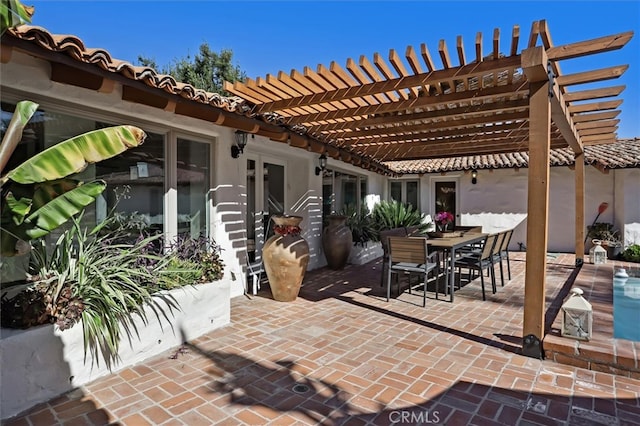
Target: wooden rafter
{"points": [[408, 106]]}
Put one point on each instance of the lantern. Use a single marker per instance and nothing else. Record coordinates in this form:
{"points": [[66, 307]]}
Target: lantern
{"points": [[597, 254], [577, 316]]}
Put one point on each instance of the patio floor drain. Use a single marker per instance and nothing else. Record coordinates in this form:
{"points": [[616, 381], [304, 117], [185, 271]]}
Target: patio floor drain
{"points": [[300, 388]]}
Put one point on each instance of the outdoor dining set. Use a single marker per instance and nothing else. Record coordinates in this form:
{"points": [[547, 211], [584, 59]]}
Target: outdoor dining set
{"points": [[407, 253]]}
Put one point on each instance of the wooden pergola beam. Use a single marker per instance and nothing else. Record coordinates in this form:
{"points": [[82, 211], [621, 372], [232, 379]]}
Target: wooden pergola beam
{"points": [[454, 148], [477, 95], [594, 106], [598, 131], [561, 117], [585, 118], [392, 84], [592, 76], [419, 132], [595, 124], [491, 110], [589, 47], [594, 93]]}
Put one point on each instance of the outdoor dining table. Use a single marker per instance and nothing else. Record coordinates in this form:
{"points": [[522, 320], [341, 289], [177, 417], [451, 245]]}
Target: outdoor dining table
{"points": [[451, 244]]}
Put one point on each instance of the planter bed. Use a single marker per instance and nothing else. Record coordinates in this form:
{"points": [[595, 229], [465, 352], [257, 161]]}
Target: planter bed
{"points": [[43, 362]]}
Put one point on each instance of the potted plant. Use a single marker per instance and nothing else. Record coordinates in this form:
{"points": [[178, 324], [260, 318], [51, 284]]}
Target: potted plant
{"points": [[363, 232], [443, 220], [608, 237]]}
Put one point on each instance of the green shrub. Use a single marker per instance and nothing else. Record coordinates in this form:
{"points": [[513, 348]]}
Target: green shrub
{"points": [[197, 259], [631, 253], [90, 274]]}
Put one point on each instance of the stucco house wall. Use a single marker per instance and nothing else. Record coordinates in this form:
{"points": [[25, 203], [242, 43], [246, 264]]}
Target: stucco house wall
{"points": [[26, 77], [498, 201], [627, 204]]}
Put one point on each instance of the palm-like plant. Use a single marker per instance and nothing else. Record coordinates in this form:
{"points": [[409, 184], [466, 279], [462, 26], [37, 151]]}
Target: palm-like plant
{"points": [[37, 196], [361, 224]]}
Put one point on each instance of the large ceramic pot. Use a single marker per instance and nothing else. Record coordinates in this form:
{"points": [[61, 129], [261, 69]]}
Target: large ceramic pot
{"points": [[285, 256], [337, 242]]}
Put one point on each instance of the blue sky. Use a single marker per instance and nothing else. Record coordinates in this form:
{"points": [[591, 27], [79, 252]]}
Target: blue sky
{"points": [[271, 36]]}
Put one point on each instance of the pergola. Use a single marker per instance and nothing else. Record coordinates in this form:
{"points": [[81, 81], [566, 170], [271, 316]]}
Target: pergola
{"points": [[378, 111]]}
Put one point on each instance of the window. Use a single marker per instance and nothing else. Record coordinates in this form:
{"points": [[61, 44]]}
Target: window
{"points": [[193, 187], [135, 178], [135, 183], [342, 192], [405, 191], [265, 198]]}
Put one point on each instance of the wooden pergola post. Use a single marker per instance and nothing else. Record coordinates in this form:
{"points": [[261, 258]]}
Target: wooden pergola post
{"points": [[534, 64], [579, 176]]}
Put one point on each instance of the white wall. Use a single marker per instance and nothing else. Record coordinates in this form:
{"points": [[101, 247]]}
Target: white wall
{"points": [[28, 78], [499, 201], [627, 205]]}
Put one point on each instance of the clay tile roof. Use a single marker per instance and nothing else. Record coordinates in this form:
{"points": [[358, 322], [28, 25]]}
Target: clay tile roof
{"points": [[75, 48], [625, 153]]}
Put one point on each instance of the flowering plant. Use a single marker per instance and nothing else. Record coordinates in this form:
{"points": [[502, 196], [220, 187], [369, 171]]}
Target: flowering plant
{"points": [[286, 229], [443, 219]]}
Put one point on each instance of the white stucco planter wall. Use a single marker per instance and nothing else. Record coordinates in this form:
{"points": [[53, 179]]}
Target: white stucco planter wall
{"points": [[360, 255], [43, 362]]}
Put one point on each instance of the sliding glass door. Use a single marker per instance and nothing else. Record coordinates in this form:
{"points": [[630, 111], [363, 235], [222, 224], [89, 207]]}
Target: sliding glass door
{"points": [[265, 198]]}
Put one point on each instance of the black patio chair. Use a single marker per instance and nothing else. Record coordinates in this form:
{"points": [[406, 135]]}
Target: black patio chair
{"points": [[481, 262], [410, 255]]}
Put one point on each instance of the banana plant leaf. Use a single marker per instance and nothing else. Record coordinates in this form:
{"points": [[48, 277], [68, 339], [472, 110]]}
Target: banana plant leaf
{"points": [[14, 13], [73, 155], [21, 116], [49, 216]]}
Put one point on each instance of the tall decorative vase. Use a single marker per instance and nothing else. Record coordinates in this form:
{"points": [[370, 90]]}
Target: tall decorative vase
{"points": [[285, 256], [337, 242]]}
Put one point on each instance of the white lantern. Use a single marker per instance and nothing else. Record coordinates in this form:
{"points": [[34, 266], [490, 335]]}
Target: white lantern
{"points": [[577, 316], [597, 254]]}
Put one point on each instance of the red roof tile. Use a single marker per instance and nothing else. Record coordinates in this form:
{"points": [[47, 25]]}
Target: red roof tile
{"points": [[75, 48], [625, 153]]}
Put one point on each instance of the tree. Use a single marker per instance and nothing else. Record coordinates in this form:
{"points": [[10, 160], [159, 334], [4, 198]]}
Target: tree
{"points": [[207, 70]]}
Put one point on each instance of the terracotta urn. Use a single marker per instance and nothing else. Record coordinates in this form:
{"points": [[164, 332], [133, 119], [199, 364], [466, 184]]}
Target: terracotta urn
{"points": [[285, 256], [337, 242]]}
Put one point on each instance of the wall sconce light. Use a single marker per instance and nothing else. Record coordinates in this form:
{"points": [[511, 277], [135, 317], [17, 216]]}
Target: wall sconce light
{"points": [[474, 176], [323, 164], [241, 142]]}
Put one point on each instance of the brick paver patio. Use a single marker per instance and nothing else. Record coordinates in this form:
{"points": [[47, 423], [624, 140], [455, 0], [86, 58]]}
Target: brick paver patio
{"points": [[341, 354]]}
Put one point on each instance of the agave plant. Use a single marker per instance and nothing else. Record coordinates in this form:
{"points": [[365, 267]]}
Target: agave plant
{"points": [[394, 214], [37, 196]]}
